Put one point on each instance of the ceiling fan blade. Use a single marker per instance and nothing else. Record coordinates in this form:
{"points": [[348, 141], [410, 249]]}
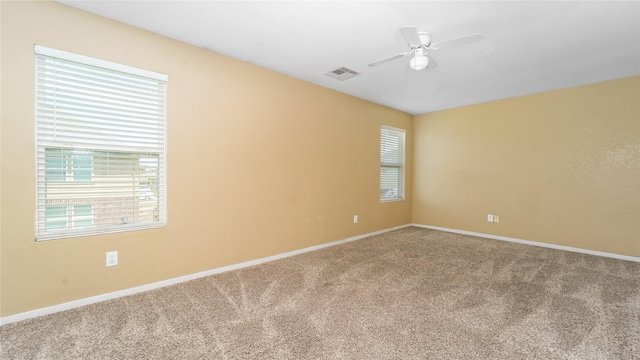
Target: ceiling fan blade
{"points": [[432, 63], [457, 41], [410, 33], [382, 61]]}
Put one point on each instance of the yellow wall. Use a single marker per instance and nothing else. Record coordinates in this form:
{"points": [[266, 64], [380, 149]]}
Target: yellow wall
{"points": [[258, 163], [561, 167]]}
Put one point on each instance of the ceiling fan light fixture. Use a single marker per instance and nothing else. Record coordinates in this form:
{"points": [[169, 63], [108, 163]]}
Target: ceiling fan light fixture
{"points": [[419, 61]]}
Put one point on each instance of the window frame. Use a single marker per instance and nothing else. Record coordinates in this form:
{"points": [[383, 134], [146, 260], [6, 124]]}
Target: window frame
{"points": [[66, 170], [395, 165]]}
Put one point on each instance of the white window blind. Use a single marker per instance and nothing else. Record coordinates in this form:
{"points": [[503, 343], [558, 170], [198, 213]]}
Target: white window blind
{"points": [[100, 146], [392, 144]]}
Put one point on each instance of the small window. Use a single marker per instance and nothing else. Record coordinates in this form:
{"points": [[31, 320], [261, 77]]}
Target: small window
{"points": [[82, 166], [55, 165], [63, 165], [100, 135], [392, 142], [69, 216], [82, 215], [56, 217]]}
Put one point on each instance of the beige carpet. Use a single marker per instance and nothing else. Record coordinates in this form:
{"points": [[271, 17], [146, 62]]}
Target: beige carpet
{"points": [[407, 294]]}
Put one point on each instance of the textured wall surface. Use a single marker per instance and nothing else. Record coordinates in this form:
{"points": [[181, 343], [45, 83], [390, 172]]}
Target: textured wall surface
{"points": [[561, 167], [258, 163]]}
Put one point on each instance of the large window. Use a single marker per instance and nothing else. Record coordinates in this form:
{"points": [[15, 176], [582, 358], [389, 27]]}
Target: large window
{"points": [[391, 163], [100, 139]]}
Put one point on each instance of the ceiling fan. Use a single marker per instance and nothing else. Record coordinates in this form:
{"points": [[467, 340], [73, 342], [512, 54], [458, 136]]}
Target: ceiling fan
{"points": [[420, 42]]}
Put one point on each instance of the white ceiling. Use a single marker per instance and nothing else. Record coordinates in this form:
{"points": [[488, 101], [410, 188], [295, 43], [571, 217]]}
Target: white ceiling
{"points": [[529, 46]]}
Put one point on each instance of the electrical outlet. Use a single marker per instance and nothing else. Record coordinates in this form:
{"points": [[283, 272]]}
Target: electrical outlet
{"points": [[496, 218], [490, 218], [112, 258], [355, 219]]}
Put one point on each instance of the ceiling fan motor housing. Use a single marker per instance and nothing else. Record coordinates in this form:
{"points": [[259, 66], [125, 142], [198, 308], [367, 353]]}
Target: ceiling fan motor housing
{"points": [[425, 38]]}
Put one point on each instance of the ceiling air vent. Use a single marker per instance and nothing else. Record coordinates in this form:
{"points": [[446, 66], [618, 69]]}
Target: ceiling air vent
{"points": [[342, 73]]}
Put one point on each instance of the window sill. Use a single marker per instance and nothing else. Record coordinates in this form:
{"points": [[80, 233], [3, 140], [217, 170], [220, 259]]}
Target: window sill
{"points": [[390, 200]]}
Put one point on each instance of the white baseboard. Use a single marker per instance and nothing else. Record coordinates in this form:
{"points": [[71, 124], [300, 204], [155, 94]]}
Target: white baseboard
{"points": [[117, 294], [120, 293], [534, 243]]}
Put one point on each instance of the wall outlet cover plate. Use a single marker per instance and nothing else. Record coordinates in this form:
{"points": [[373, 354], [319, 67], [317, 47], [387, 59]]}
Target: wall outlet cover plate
{"points": [[112, 258]]}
